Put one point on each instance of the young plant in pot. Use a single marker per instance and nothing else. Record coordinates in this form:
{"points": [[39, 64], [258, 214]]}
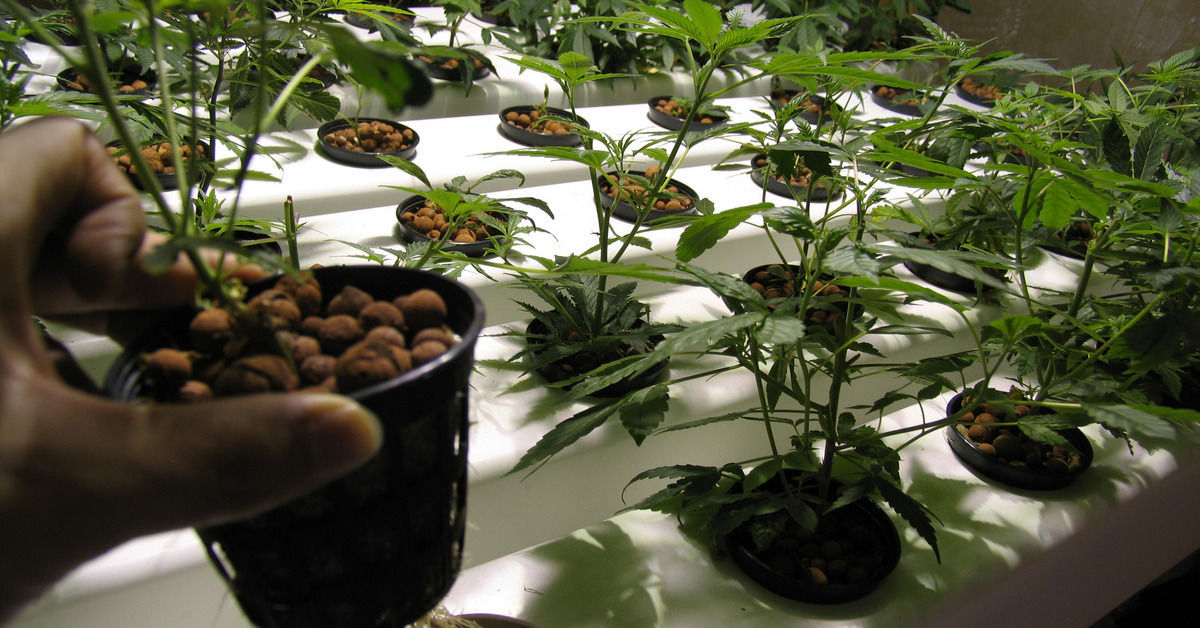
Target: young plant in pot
{"points": [[453, 61], [541, 125], [772, 512], [880, 25], [944, 137], [384, 542], [363, 141], [671, 113], [585, 311], [964, 246], [1090, 351], [799, 519], [455, 219], [777, 160], [589, 323], [548, 29]]}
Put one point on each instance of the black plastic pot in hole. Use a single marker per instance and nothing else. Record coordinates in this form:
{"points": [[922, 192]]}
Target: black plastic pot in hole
{"points": [[166, 180], [385, 540], [905, 170], [510, 126], [814, 109], [897, 100], [867, 546], [449, 68], [1013, 462], [367, 158], [487, 17], [675, 123], [994, 151], [944, 279], [573, 366], [627, 212], [778, 281], [1071, 241], [788, 189], [973, 92], [410, 232], [130, 79], [61, 29], [254, 240]]}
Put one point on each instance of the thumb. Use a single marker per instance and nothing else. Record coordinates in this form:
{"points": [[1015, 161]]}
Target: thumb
{"points": [[84, 474]]}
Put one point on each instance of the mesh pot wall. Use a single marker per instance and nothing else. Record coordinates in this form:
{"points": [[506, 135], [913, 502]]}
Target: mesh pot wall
{"points": [[381, 546]]}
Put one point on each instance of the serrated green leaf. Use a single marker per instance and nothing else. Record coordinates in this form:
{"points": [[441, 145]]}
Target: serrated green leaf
{"points": [[1057, 207], [852, 261], [1137, 423], [762, 473], [642, 411], [385, 69], [957, 262], [1150, 344], [1148, 151], [1115, 145], [1178, 415], [563, 435], [1118, 99], [707, 21], [781, 330], [703, 232], [792, 221], [720, 418], [112, 21], [912, 511]]}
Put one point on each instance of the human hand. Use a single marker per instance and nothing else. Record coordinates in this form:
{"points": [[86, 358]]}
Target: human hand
{"points": [[80, 474]]}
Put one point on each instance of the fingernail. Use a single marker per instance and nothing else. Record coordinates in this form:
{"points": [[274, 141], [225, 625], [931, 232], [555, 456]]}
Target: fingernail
{"points": [[343, 434]]}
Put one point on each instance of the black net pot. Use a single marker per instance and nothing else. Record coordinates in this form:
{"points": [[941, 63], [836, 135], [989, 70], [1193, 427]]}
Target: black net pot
{"points": [[814, 109], [438, 70], [818, 112], [1024, 476], [166, 180], [257, 241], [782, 279], [971, 96], [62, 30], [487, 17], [526, 137], [867, 542], [627, 212], [787, 189], [409, 233], [562, 371], [902, 102], [674, 123], [1071, 241], [126, 76], [365, 159], [945, 279], [384, 541], [905, 170]]}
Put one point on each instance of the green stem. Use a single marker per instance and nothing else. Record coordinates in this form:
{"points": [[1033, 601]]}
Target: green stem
{"points": [[756, 358]]}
